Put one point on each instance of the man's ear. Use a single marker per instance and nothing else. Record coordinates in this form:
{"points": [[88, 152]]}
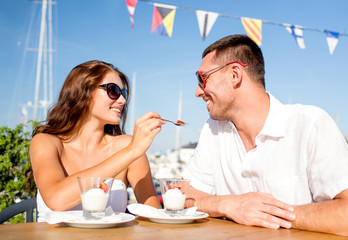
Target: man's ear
{"points": [[237, 75]]}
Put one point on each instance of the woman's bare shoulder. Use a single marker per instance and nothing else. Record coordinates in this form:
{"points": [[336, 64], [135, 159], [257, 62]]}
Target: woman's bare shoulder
{"points": [[44, 137], [46, 142]]}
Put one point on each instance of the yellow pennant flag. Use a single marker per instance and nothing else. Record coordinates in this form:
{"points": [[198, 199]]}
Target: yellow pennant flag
{"points": [[253, 28]]}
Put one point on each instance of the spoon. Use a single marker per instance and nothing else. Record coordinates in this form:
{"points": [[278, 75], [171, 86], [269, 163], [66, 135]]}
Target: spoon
{"points": [[177, 123]]}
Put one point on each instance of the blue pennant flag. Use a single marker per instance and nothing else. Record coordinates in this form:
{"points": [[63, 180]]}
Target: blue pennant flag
{"points": [[332, 40], [297, 32]]}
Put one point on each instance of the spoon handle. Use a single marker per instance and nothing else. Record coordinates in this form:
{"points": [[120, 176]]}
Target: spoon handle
{"points": [[168, 120], [175, 123]]}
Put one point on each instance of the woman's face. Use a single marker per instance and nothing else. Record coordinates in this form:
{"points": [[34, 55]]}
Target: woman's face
{"points": [[105, 109]]}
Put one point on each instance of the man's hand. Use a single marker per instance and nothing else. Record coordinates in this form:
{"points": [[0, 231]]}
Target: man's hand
{"points": [[257, 209], [252, 209]]}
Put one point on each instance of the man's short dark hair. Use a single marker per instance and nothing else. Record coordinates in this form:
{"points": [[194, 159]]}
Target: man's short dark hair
{"points": [[239, 48]]}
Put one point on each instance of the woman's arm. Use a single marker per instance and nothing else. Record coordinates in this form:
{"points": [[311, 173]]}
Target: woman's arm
{"points": [[140, 177], [49, 173], [61, 192]]}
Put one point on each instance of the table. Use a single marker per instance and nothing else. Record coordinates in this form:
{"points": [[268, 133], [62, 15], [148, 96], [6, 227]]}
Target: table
{"points": [[141, 228]]}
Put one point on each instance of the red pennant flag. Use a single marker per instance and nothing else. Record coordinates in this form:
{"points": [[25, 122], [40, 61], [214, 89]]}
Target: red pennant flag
{"points": [[253, 28], [131, 9]]}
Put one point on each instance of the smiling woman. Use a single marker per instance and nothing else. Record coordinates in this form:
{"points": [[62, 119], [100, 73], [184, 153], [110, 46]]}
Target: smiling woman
{"points": [[84, 136], [75, 98]]}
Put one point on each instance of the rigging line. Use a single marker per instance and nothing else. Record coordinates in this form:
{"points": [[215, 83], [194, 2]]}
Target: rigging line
{"points": [[239, 17], [20, 78]]}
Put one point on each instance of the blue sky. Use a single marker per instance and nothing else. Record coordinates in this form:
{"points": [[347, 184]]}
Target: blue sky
{"points": [[101, 29]]}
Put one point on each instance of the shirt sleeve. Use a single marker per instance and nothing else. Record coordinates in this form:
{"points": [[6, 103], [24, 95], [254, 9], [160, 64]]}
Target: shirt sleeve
{"points": [[199, 169], [328, 164]]}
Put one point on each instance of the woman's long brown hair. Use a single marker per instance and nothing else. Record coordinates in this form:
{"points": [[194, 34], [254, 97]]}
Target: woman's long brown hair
{"points": [[66, 118]]}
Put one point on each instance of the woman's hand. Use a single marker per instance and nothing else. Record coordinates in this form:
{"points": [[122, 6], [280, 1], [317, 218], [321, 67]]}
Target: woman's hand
{"points": [[145, 129]]}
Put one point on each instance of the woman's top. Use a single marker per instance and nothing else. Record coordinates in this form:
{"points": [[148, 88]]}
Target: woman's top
{"points": [[117, 200]]}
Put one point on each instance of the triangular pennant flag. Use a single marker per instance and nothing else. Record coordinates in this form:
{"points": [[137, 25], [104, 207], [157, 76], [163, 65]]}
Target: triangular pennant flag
{"points": [[163, 19], [131, 9], [332, 40], [206, 21], [297, 32], [253, 28]]}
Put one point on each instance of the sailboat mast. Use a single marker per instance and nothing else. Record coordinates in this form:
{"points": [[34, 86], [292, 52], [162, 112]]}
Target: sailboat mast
{"points": [[39, 59], [132, 106], [178, 129], [50, 53]]}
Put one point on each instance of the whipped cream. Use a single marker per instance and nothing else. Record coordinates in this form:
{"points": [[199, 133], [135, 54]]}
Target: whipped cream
{"points": [[174, 199], [94, 199]]}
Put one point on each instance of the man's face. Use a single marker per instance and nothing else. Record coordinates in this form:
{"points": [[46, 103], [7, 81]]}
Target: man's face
{"points": [[217, 92]]}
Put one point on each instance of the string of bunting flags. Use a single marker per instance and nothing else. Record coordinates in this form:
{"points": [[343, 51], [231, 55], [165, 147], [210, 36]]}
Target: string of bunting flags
{"points": [[163, 22]]}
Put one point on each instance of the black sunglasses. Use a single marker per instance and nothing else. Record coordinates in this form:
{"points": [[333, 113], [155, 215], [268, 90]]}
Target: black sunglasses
{"points": [[114, 91]]}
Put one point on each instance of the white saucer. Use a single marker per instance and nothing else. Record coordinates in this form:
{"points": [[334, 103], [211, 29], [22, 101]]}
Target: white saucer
{"points": [[159, 216], [177, 219], [76, 219]]}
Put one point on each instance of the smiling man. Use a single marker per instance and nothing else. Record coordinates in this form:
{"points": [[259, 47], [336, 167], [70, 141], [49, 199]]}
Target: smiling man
{"points": [[260, 162]]}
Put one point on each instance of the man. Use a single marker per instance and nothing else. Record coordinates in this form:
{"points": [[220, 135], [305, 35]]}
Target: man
{"points": [[259, 162]]}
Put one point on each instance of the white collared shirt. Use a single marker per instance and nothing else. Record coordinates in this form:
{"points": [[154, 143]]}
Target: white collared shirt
{"points": [[300, 157]]}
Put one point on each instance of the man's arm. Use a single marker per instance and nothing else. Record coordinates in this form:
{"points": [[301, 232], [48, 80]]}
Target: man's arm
{"points": [[252, 209], [328, 216]]}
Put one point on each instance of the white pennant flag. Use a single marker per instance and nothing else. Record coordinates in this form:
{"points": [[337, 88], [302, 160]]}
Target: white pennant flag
{"points": [[206, 21], [332, 40], [297, 32]]}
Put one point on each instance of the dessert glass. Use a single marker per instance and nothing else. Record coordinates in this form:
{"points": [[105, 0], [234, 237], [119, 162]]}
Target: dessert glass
{"points": [[95, 193], [174, 194]]}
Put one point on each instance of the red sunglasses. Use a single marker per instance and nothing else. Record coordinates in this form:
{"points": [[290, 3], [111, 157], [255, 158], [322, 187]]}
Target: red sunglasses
{"points": [[202, 81]]}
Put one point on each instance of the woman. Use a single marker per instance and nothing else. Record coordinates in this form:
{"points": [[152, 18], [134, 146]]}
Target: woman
{"points": [[82, 137]]}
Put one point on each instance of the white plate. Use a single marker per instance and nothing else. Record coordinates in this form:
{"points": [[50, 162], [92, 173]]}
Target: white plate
{"points": [[75, 219], [175, 219]]}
